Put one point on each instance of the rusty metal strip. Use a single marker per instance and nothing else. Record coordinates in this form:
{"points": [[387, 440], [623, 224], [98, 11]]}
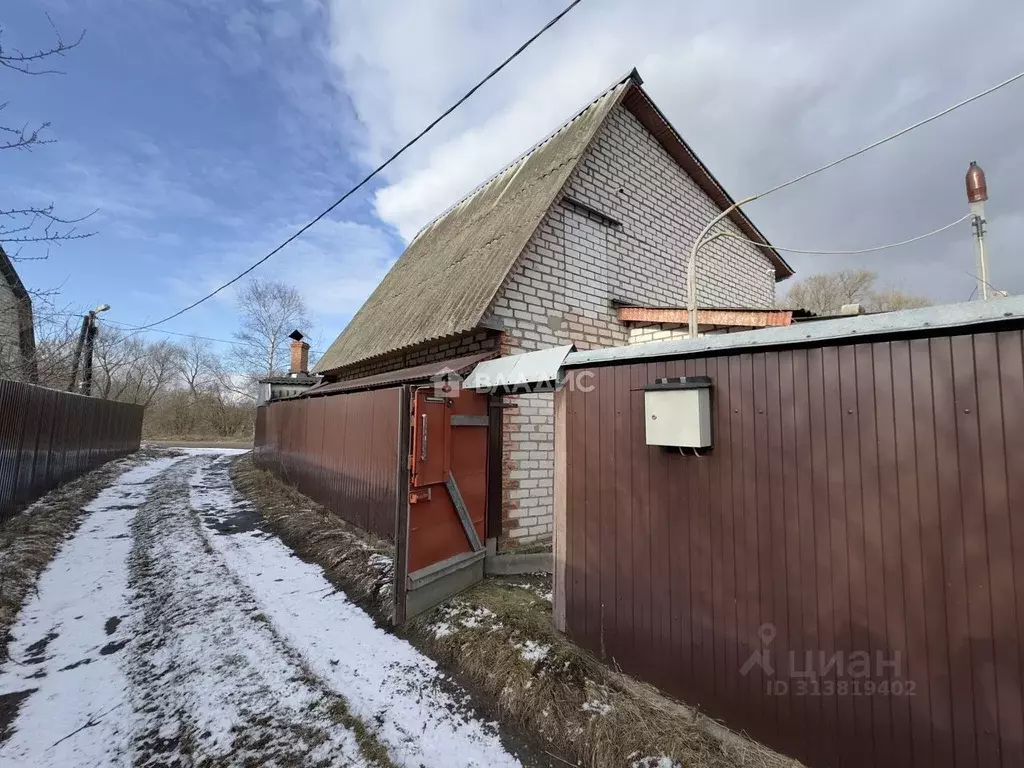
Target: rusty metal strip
{"points": [[460, 507], [740, 318]]}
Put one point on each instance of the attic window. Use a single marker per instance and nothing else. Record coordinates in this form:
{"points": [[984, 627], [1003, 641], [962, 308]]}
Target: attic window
{"points": [[601, 216]]}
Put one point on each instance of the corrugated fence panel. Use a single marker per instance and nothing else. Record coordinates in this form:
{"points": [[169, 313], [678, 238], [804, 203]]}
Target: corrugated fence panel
{"points": [[843, 574], [341, 450], [48, 437]]}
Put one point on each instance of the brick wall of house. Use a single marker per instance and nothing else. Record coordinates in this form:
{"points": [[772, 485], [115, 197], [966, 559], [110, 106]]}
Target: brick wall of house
{"points": [[467, 344], [643, 334], [561, 288]]}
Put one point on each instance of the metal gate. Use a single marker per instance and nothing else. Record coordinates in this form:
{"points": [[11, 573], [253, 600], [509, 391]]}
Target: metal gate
{"points": [[446, 523], [416, 464]]}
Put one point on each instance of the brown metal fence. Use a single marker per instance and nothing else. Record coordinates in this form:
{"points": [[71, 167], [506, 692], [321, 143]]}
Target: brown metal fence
{"points": [[340, 450], [48, 436], [843, 573]]}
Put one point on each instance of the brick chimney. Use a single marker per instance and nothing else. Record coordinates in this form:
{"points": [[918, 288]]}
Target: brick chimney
{"points": [[300, 355]]}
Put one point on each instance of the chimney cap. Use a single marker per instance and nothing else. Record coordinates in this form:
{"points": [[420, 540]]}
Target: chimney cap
{"points": [[296, 335]]}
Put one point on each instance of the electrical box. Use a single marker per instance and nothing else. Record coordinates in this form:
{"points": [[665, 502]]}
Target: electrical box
{"points": [[677, 412]]}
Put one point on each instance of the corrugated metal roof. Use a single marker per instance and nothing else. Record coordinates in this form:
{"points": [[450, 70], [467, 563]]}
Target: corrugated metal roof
{"points": [[528, 368], [445, 280], [415, 373], [838, 329]]}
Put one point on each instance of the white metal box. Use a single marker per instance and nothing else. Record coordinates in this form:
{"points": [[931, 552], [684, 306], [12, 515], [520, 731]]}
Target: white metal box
{"points": [[677, 412]]}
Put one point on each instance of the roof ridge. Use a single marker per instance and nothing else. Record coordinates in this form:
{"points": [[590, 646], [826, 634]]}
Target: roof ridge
{"points": [[633, 75]]}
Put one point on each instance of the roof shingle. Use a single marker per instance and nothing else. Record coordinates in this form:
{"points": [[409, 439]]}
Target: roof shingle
{"points": [[445, 280]]}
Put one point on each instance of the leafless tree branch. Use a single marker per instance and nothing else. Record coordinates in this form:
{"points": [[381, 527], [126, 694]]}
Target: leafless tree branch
{"points": [[28, 63], [23, 137], [37, 224], [24, 228]]}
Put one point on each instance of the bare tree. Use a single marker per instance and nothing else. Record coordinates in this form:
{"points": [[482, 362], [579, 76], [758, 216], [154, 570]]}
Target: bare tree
{"points": [[826, 294], [22, 224], [893, 299], [199, 368], [269, 311]]}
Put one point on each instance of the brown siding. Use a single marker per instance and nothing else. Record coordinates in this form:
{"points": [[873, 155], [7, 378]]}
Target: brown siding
{"points": [[859, 498], [48, 437], [340, 450]]}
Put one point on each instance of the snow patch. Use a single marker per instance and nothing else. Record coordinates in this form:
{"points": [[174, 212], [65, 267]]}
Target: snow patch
{"points": [[390, 685], [208, 668], [65, 646], [597, 707], [533, 651], [655, 762], [456, 615]]}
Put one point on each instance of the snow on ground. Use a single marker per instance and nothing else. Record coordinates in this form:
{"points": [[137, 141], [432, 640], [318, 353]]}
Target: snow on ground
{"points": [[390, 685], [172, 630], [230, 687], [65, 646]]}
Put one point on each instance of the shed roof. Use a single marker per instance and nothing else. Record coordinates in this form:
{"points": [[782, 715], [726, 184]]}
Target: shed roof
{"points": [[908, 322], [446, 279]]}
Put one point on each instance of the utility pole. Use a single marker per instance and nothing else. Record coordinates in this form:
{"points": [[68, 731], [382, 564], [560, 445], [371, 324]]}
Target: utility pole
{"points": [[977, 194], [86, 341], [77, 359], [90, 345]]}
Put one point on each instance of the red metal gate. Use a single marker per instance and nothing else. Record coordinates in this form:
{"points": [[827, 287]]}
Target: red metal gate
{"points": [[409, 463], [447, 528]]}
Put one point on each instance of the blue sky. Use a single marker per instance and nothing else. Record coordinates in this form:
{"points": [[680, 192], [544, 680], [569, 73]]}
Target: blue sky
{"points": [[187, 128], [205, 131]]}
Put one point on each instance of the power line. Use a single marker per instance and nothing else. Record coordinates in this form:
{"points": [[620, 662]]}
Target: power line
{"points": [[691, 265], [376, 170], [892, 136], [845, 253], [141, 329], [196, 336]]}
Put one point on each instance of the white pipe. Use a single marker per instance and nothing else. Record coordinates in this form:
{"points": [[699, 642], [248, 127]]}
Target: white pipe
{"points": [[691, 266]]}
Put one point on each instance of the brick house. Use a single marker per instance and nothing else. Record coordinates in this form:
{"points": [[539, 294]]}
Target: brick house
{"points": [[581, 240], [17, 334]]}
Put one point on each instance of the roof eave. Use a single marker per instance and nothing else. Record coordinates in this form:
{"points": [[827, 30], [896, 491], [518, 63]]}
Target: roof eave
{"points": [[479, 327]]}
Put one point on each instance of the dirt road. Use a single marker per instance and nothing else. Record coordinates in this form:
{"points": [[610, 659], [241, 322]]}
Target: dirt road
{"points": [[172, 630]]}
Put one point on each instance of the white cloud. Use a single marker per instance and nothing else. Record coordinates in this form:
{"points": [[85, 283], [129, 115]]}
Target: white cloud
{"points": [[762, 93]]}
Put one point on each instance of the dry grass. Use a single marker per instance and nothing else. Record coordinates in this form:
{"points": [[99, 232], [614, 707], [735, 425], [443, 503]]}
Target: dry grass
{"points": [[354, 561], [500, 636], [29, 540]]}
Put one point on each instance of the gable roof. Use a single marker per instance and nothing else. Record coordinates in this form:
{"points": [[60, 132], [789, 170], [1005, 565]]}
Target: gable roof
{"points": [[446, 279]]}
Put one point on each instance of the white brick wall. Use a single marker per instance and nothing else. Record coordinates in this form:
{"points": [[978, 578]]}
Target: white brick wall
{"points": [[561, 288]]}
